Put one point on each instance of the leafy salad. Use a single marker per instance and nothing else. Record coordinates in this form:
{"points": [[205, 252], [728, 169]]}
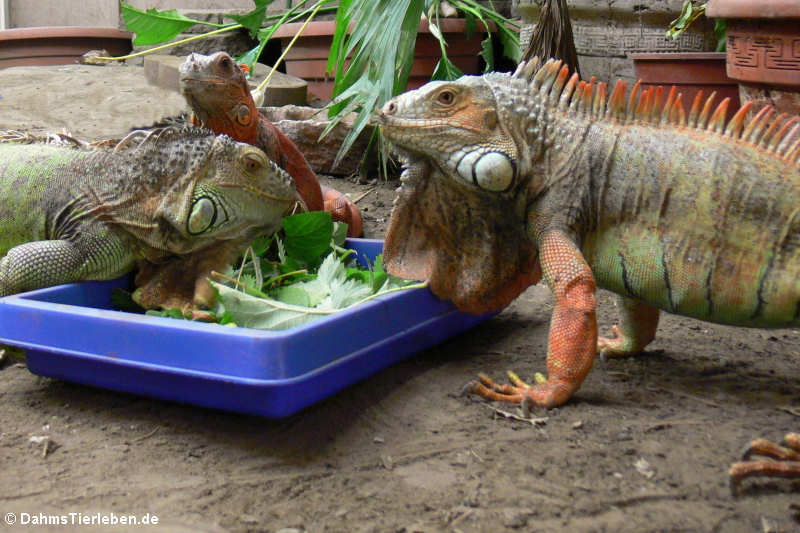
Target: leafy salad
{"points": [[298, 275]]}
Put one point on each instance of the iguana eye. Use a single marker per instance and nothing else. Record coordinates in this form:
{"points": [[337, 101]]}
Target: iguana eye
{"points": [[203, 215], [446, 97], [225, 62], [253, 163], [243, 115]]}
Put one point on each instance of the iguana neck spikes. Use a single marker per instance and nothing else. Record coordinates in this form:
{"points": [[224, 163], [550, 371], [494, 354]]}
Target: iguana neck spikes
{"points": [[553, 86]]}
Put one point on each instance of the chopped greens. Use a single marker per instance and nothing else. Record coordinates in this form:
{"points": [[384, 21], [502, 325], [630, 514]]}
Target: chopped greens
{"points": [[297, 276]]}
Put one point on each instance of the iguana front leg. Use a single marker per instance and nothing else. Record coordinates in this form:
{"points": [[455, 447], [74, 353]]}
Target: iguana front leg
{"points": [[573, 328], [637, 328], [38, 264]]}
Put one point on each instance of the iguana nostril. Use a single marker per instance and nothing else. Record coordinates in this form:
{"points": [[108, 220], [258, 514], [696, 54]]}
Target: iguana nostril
{"points": [[390, 108]]}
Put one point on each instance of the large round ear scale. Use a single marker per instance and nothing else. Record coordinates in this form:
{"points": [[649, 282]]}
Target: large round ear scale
{"points": [[203, 215], [493, 172]]}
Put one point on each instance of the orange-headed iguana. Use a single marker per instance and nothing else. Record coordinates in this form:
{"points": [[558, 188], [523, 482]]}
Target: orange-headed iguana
{"points": [[219, 95], [180, 202], [513, 178]]}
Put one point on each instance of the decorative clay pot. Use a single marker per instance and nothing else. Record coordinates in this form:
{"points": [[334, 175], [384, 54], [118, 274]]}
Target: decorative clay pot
{"points": [[58, 45], [763, 49]]}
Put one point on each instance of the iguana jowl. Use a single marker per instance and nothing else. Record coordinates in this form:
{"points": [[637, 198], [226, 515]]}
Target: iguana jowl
{"points": [[513, 178], [180, 201]]}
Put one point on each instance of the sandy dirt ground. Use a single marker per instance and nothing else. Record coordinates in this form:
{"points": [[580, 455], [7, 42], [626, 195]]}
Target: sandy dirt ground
{"points": [[644, 446]]}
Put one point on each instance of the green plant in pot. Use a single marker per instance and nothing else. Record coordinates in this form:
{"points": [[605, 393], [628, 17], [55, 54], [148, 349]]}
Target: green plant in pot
{"points": [[691, 11]]}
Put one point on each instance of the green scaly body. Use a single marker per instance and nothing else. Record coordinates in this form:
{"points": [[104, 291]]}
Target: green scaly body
{"points": [[71, 214], [695, 224]]}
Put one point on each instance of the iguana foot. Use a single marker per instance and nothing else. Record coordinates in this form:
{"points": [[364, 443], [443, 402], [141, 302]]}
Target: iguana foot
{"points": [[342, 209], [619, 345], [637, 329], [782, 462], [545, 393]]}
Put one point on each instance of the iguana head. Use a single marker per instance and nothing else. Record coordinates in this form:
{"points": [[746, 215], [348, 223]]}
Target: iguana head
{"points": [[203, 189], [219, 95], [460, 217]]}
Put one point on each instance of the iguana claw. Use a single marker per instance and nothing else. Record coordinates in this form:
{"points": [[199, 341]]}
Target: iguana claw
{"points": [[783, 462]]}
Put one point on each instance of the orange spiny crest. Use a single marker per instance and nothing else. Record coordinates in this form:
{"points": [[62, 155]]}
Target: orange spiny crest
{"points": [[736, 123], [717, 122], [666, 111], [577, 96], [599, 99], [586, 97], [569, 89], [764, 142], [616, 101], [655, 104], [695, 109], [755, 127], [778, 137], [558, 86], [788, 135], [677, 114], [630, 111], [643, 108], [793, 154], [702, 120]]}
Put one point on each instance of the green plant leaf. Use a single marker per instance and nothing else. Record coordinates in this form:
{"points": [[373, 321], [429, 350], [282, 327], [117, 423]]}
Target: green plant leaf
{"points": [[339, 233], [308, 236], [446, 70], [261, 313], [510, 41], [721, 33], [254, 19], [689, 13], [262, 244], [153, 26], [487, 52]]}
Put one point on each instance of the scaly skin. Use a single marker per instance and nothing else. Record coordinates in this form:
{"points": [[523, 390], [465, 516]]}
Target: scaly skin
{"points": [[218, 93], [673, 212], [181, 202]]}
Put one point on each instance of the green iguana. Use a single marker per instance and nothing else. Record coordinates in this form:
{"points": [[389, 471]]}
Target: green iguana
{"points": [[514, 178], [181, 202], [218, 93]]}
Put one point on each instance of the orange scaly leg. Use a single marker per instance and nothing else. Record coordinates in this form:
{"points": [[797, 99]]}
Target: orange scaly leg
{"points": [[783, 462], [573, 329], [343, 209]]}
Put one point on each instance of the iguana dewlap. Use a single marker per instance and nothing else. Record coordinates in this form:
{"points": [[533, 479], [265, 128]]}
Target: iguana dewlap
{"points": [[537, 174], [181, 201], [219, 95]]}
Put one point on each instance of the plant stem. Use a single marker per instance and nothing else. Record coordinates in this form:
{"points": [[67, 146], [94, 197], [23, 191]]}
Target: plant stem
{"points": [[176, 43], [263, 84], [286, 275]]}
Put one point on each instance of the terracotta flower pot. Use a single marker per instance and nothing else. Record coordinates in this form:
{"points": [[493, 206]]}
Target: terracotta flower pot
{"points": [[58, 45], [763, 49], [309, 55], [691, 72]]}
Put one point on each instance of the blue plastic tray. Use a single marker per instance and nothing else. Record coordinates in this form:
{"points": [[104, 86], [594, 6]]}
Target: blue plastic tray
{"points": [[70, 332]]}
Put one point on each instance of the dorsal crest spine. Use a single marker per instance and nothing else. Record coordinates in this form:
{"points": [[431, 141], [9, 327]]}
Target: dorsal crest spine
{"points": [[591, 100]]}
